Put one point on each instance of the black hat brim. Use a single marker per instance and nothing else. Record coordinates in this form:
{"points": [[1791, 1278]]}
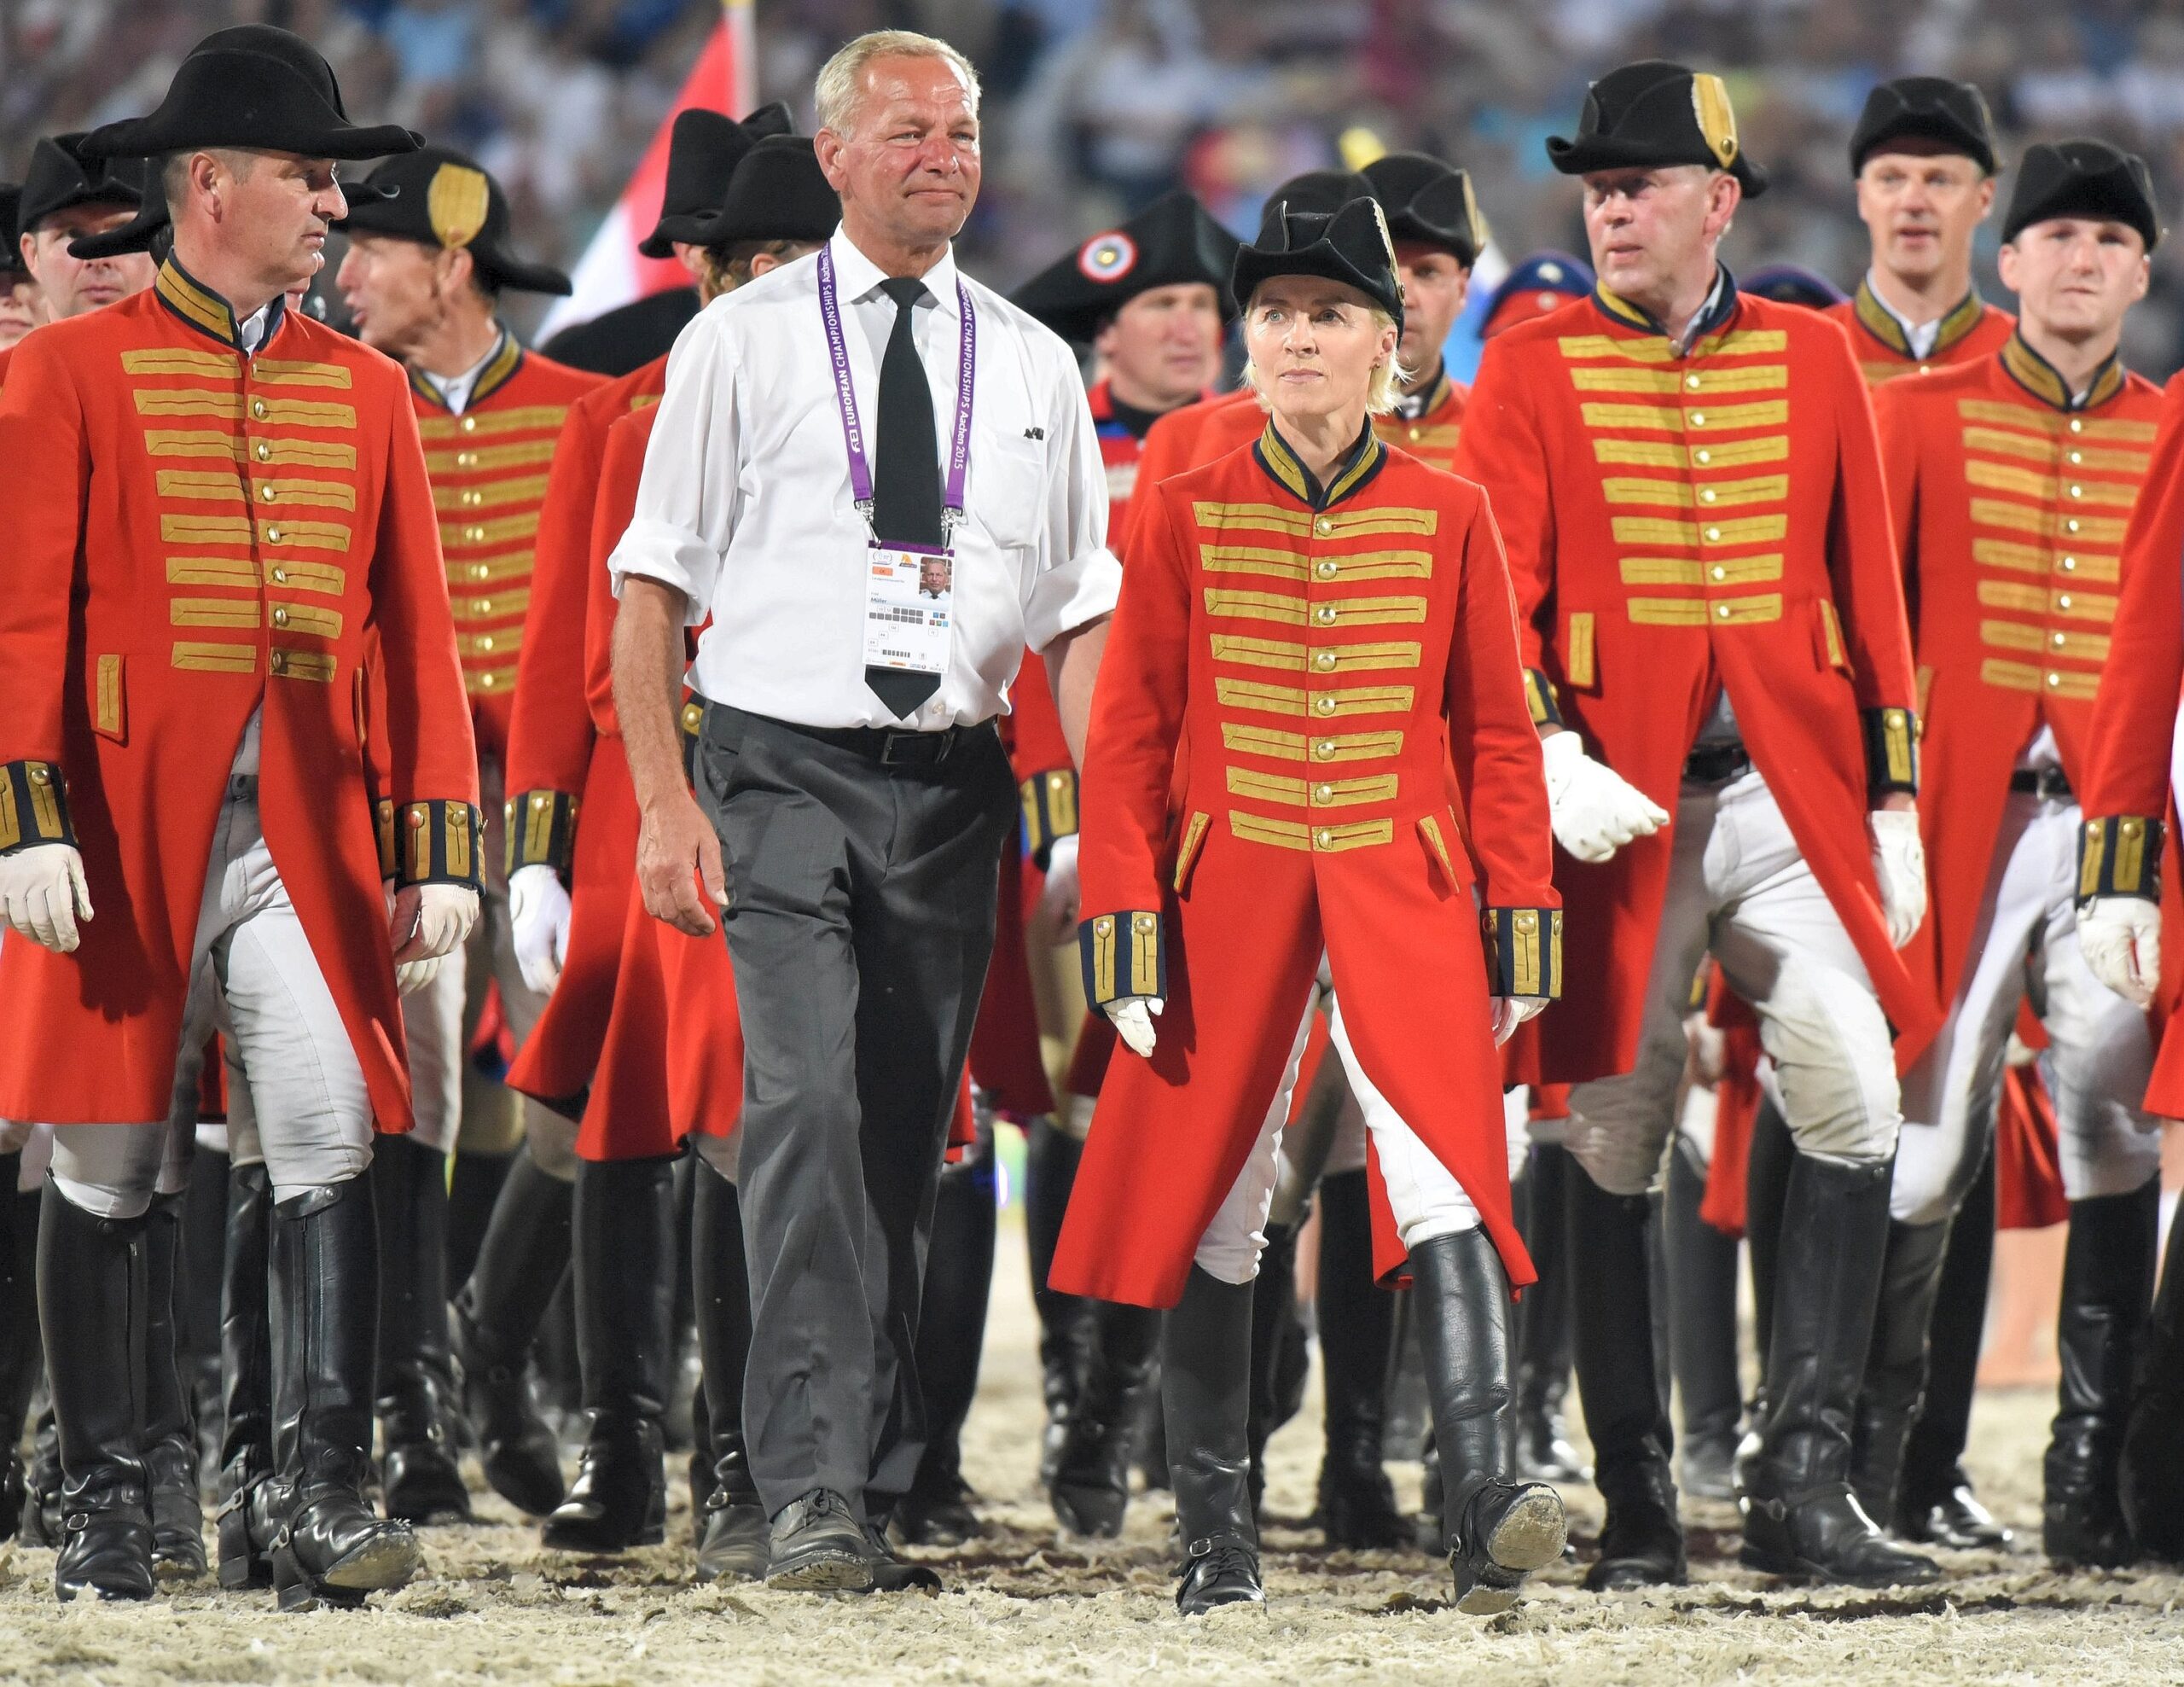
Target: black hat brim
{"points": [[1254, 267], [1590, 153], [1939, 127], [134, 235], [278, 110]]}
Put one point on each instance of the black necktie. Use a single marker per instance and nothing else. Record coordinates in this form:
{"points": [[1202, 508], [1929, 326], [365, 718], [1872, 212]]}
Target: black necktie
{"points": [[906, 476]]}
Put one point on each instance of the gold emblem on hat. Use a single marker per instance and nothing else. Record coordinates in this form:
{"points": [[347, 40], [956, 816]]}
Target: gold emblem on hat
{"points": [[1475, 219], [1380, 218], [1717, 120], [456, 202]]}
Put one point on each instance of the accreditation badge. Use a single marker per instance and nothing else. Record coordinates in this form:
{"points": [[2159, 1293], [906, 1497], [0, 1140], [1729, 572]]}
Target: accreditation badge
{"points": [[909, 608]]}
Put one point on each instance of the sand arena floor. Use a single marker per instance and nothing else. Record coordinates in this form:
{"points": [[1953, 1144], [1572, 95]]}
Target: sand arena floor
{"points": [[1021, 1607]]}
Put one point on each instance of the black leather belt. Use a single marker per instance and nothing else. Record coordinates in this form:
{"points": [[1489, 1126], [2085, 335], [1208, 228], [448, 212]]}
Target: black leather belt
{"points": [[886, 745], [1716, 764], [2049, 784]]}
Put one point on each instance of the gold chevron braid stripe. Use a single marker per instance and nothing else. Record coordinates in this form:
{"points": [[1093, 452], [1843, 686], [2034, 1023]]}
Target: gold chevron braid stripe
{"points": [[245, 573], [523, 454], [2065, 565], [180, 401], [2066, 493], [478, 424], [1654, 349], [172, 442], [2050, 524], [2039, 448], [1301, 523], [1248, 694], [1651, 530], [1693, 385], [281, 662], [498, 530], [1692, 612], [1689, 571], [288, 372], [2056, 646], [1715, 454], [218, 487], [1694, 418], [509, 605], [2050, 421], [2071, 604], [1246, 782], [1321, 839], [1717, 495], [2077, 688], [173, 360], [1281, 746], [1367, 565], [1275, 653], [490, 494]]}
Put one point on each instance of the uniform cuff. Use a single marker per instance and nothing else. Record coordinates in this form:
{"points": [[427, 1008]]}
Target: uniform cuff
{"points": [[1891, 752], [34, 806], [542, 830], [438, 843], [1524, 950], [1049, 802], [1122, 955], [2120, 855], [1539, 697]]}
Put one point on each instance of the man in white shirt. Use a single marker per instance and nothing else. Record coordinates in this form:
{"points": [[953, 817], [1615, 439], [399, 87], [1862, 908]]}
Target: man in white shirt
{"points": [[834, 437]]}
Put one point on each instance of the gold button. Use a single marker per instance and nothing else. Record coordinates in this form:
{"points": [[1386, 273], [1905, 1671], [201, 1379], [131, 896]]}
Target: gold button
{"points": [[1103, 925], [1702, 456], [2078, 491], [2059, 640], [481, 570], [1323, 837], [1699, 418], [273, 535], [2071, 525], [1691, 383], [1325, 704], [1720, 573], [278, 661], [418, 818], [1327, 569], [1713, 534], [486, 642], [1414, 435], [1722, 612], [258, 408], [265, 493], [470, 424], [1323, 526], [466, 459], [1926, 368], [40, 776], [2076, 456], [487, 682], [1706, 495], [1143, 923], [2130, 828], [541, 799], [485, 606], [2070, 564], [1324, 661], [1055, 782], [1324, 615], [1324, 749], [2054, 679], [2063, 601], [1322, 794], [474, 533], [280, 617], [1526, 921], [2077, 425], [280, 577], [264, 452]]}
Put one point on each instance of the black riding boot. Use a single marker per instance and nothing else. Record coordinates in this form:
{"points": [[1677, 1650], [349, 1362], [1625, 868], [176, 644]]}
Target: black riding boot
{"points": [[416, 1377], [1800, 1519], [331, 1548], [1701, 1265], [1496, 1530], [92, 1306], [1611, 1287], [250, 1504], [473, 1191], [2151, 1479], [951, 1333], [2108, 1267], [1091, 1487], [1935, 1503], [1356, 1320], [733, 1541], [20, 1353], [625, 1232], [1767, 1184], [1541, 1331], [1206, 1394], [170, 1425], [1277, 1386], [1896, 1364], [204, 1256], [520, 1263], [1050, 1159]]}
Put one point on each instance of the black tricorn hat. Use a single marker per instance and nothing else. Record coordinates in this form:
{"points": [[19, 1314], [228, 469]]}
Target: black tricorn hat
{"points": [[778, 192], [255, 87], [1652, 113], [1352, 247], [137, 234], [61, 177], [2082, 179], [1791, 284], [1172, 242], [1930, 108], [440, 197], [1322, 192], [703, 150], [1430, 202]]}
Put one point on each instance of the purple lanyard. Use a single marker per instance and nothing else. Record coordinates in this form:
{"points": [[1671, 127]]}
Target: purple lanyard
{"points": [[959, 452]]}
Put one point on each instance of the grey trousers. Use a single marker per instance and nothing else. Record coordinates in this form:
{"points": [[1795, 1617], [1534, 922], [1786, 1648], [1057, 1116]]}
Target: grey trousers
{"points": [[860, 922]]}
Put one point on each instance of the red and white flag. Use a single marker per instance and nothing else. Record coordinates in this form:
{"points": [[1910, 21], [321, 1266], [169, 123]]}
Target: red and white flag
{"points": [[613, 272]]}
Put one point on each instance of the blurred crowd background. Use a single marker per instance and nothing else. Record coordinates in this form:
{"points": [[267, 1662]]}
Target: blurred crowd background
{"points": [[1094, 107]]}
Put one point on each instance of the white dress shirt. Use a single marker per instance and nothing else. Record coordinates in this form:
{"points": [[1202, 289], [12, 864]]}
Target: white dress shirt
{"points": [[1918, 337], [744, 506], [454, 390]]}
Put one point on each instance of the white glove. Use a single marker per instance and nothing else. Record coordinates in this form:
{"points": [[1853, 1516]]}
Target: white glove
{"points": [[1900, 865], [538, 912], [1595, 810], [2120, 937], [1058, 898], [1511, 1011], [411, 976], [43, 893], [1133, 1018], [431, 920]]}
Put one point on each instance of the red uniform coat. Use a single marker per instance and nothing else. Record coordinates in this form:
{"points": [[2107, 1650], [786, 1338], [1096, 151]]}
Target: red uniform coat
{"points": [[1324, 656], [489, 470], [570, 803], [2126, 791], [2010, 510], [212, 535], [1974, 330], [1679, 524]]}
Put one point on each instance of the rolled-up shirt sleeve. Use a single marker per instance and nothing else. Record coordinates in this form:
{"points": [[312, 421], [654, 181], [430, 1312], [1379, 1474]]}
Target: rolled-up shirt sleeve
{"points": [[687, 501], [1078, 577]]}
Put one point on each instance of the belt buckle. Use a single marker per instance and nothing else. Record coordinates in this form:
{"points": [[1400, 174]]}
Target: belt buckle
{"points": [[889, 743]]}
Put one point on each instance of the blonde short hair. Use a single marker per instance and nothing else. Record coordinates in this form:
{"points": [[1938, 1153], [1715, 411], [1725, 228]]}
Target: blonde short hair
{"points": [[1381, 391], [840, 84]]}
